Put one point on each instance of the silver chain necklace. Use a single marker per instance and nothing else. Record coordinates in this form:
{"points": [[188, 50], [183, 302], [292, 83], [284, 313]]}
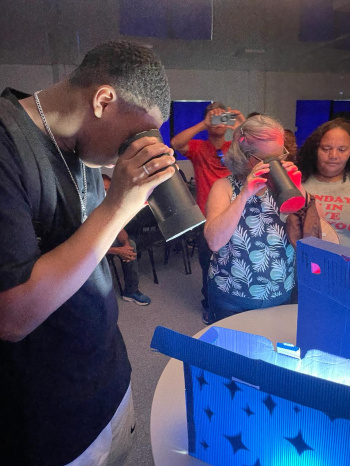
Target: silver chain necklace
{"points": [[83, 197]]}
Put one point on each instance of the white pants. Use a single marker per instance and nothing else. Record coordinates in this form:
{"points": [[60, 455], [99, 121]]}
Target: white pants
{"points": [[113, 445]]}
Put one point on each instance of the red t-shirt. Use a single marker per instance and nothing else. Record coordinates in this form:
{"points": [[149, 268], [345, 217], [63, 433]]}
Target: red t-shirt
{"points": [[207, 167]]}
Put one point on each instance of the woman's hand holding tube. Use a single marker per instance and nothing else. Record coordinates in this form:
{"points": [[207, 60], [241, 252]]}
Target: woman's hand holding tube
{"points": [[295, 175], [255, 180], [222, 214]]}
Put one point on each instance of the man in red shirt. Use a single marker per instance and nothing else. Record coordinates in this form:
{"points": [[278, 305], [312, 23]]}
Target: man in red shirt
{"points": [[207, 160]]}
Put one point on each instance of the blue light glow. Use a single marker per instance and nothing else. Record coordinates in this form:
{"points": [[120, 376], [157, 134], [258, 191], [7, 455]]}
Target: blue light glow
{"points": [[234, 424]]}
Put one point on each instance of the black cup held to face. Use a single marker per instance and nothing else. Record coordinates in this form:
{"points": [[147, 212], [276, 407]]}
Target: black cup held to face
{"points": [[287, 196], [171, 202]]}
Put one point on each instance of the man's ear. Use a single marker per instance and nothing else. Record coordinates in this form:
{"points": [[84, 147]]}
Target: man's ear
{"points": [[104, 96]]}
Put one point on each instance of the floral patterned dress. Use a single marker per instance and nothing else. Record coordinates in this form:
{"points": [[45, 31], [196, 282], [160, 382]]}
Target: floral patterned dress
{"points": [[256, 267]]}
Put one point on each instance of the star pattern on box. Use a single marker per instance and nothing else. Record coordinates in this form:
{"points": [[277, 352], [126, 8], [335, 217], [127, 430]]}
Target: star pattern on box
{"points": [[299, 443], [257, 463], [204, 444], [233, 388], [297, 409], [236, 424], [270, 404], [209, 413], [248, 411], [202, 380], [236, 442]]}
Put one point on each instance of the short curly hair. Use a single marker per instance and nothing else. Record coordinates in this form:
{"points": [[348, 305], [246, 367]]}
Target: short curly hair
{"points": [[306, 159], [133, 70], [214, 105], [246, 140]]}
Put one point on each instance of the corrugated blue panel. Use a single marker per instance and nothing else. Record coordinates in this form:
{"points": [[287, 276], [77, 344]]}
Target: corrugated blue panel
{"points": [[186, 114], [249, 406], [342, 107], [309, 115], [324, 297]]}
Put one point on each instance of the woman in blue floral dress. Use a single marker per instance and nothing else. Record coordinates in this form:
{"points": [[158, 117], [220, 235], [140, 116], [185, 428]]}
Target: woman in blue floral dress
{"points": [[253, 263]]}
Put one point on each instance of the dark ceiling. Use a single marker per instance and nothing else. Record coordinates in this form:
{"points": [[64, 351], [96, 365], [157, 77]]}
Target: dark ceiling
{"points": [[271, 35]]}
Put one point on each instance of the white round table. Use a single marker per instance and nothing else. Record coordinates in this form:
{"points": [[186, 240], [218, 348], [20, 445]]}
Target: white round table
{"points": [[168, 414]]}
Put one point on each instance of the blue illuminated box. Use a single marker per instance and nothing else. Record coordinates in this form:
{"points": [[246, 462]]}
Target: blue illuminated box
{"points": [[324, 297], [249, 406]]}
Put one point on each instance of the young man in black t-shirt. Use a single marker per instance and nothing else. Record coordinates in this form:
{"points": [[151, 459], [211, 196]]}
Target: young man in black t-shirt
{"points": [[64, 369]]}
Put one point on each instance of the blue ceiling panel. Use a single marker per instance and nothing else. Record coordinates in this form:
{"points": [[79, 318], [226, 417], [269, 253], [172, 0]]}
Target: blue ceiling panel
{"points": [[316, 21], [167, 19]]}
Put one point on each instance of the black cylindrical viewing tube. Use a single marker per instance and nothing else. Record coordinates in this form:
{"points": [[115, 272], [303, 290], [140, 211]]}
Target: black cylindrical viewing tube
{"points": [[287, 196], [171, 202]]}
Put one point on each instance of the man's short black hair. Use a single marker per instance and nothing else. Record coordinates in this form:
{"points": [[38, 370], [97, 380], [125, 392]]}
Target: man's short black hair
{"points": [[214, 105], [134, 71]]}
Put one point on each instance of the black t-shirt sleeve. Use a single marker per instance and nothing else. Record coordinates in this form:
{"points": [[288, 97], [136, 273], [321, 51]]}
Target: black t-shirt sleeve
{"points": [[18, 245]]}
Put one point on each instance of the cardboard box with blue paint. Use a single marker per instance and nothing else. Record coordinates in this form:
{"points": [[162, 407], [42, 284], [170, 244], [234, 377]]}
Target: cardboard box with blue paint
{"points": [[324, 297], [250, 406]]}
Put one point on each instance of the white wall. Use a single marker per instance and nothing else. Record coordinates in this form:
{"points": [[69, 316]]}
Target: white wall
{"points": [[275, 94], [272, 93], [30, 78]]}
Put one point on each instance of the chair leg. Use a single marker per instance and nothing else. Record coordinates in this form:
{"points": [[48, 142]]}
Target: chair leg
{"points": [[155, 277], [186, 257], [193, 247], [167, 249], [114, 267]]}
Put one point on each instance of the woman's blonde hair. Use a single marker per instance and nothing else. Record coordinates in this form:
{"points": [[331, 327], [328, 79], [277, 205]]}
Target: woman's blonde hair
{"points": [[247, 139]]}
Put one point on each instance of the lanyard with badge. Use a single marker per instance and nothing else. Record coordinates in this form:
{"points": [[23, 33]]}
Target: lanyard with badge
{"points": [[221, 156]]}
